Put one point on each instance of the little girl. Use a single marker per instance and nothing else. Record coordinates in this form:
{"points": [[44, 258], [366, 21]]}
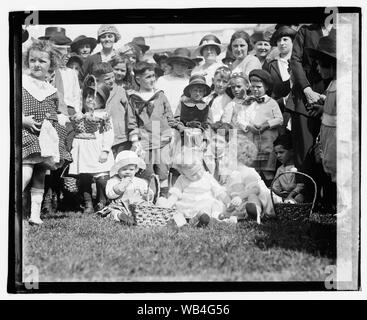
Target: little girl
{"points": [[248, 193], [196, 194], [124, 188], [39, 104], [122, 70], [91, 148]]}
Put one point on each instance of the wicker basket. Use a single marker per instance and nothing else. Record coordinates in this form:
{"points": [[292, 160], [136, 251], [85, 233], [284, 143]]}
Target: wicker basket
{"points": [[293, 212], [69, 183], [148, 214]]}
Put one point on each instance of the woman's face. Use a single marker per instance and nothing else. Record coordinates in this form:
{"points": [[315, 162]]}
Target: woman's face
{"points": [[285, 45], [179, 69], [262, 49], [85, 50], [39, 64], [165, 67], [209, 53], [239, 48], [107, 40], [120, 71]]}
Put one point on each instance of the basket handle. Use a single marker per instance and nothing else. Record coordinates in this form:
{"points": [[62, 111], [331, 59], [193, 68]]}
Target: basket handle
{"points": [[295, 172], [154, 178], [63, 171]]}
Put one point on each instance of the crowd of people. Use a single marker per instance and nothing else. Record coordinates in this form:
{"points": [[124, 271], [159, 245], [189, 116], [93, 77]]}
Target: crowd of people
{"points": [[218, 133]]}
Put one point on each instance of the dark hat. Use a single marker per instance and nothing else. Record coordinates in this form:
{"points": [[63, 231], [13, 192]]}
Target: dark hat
{"points": [[140, 41], [81, 40], [326, 47], [56, 35], [181, 55], [102, 90], [209, 40], [158, 57], [25, 35], [263, 76], [76, 58], [195, 80], [283, 31], [260, 35]]}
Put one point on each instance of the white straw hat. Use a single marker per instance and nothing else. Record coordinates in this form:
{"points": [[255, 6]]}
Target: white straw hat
{"points": [[125, 158]]}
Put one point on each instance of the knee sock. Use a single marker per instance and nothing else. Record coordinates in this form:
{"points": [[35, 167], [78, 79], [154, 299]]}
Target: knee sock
{"points": [[36, 201], [27, 171]]}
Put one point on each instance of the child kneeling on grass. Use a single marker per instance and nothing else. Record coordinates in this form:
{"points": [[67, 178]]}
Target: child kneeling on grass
{"points": [[124, 188], [250, 198], [196, 194]]}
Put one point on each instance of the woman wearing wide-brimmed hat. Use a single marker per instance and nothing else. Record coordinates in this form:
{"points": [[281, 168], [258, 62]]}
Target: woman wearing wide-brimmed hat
{"points": [[107, 36], [83, 46], [209, 48], [161, 61]]}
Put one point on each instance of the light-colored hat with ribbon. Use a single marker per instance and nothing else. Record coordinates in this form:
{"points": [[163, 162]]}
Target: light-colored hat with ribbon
{"points": [[108, 28], [209, 40], [125, 158]]}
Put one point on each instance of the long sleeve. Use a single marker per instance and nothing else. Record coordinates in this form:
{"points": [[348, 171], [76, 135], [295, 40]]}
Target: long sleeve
{"points": [[132, 125], [74, 98], [110, 193], [300, 78], [277, 116], [107, 138], [168, 112]]}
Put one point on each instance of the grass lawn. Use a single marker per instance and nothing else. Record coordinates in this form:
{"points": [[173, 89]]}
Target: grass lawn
{"points": [[76, 247]]}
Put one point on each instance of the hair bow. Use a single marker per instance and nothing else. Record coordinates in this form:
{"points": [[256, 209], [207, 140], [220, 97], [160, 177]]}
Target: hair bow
{"points": [[251, 99]]}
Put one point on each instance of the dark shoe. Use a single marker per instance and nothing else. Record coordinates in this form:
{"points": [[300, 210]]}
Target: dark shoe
{"points": [[204, 220], [100, 206], [251, 211], [88, 207]]}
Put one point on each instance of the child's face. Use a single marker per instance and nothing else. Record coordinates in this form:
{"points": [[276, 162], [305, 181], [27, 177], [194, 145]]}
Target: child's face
{"points": [[128, 171], [258, 88], [108, 79], [220, 83], [193, 173], [39, 64], [85, 50], [238, 87], [197, 93], [283, 155], [285, 45], [93, 103], [262, 48], [146, 80], [179, 69], [120, 71], [239, 48], [107, 40], [209, 53]]}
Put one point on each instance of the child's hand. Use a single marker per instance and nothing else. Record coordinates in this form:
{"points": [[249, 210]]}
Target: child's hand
{"points": [[30, 124], [236, 201], [253, 129], [264, 126], [103, 157]]}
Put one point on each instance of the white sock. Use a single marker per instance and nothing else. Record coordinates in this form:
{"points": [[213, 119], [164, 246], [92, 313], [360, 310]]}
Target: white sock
{"points": [[258, 210], [27, 171], [36, 201]]}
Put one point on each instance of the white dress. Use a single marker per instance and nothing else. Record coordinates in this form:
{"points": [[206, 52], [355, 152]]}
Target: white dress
{"points": [[201, 195], [248, 64], [86, 152]]}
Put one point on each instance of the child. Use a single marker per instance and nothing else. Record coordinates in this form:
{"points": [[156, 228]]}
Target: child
{"points": [[209, 48], [249, 195], [174, 83], [154, 119], [123, 118], [196, 194], [239, 85], [39, 104], [91, 150], [124, 189], [218, 99], [122, 70], [285, 186], [260, 122]]}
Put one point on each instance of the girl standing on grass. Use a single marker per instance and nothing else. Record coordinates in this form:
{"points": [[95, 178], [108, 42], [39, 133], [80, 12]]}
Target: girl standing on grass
{"points": [[39, 102], [91, 150]]}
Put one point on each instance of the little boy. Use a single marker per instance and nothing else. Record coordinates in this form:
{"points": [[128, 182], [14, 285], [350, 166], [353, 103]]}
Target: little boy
{"points": [[155, 120], [286, 186], [218, 99], [123, 118]]}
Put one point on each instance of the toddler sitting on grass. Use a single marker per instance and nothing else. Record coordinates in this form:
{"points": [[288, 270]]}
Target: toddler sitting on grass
{"points": [[196, 194], [124, 189]]}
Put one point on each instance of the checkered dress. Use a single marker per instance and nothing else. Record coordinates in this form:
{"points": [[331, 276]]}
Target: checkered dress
{"points": [[45, 109]]}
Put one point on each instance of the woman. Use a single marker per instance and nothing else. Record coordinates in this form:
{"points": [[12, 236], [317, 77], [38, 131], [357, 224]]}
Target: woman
{"points": [[261, 42], [107, 35], [83, 46], [239, 46], [279, 67]]}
